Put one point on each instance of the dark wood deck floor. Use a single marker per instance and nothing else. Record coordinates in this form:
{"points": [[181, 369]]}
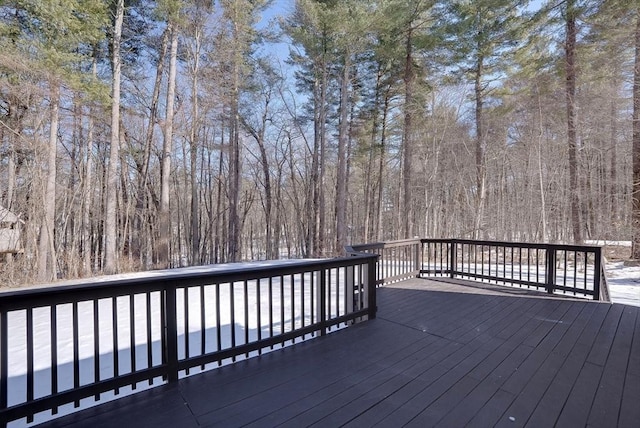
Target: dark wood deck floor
{"points": [[438, 354]]}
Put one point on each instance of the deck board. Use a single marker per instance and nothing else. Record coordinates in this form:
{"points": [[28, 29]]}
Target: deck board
{"points": [[538, 384], [551, 404], [438, 354], [613, 378]]}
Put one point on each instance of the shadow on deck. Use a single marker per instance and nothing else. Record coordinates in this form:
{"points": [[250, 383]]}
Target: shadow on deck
{"points": [[439, 353]]}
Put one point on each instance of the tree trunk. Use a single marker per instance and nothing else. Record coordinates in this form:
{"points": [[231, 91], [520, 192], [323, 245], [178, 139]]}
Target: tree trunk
{"points": [[164, 216], [145, 195], [315, 230], [543, 202], [635, 190], [11, 180], [195, 119], [407, 140], [268, 195], [88, 186], [234, 170], [46, 244], [259, 136], [381, 163], [87, 199], [343, 139], [277, 227], [311, 201], [219, 255], [8, 201], [321, 229], [613, 184], [481, 167], [114, 154], [570, 50], [369, 201]]}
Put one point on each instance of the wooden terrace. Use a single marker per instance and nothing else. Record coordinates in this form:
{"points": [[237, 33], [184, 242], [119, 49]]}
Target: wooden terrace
{"points": [[438, 353], [420, 332]]}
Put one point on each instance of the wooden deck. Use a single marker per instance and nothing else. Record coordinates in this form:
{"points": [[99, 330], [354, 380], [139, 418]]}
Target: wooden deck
{"points": [[439, 353]]}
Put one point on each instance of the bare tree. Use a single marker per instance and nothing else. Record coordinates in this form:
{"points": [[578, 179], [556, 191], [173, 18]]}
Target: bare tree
{"points": [[635, 210], [46, 246], [570, 93], [111, 185], [164, 216]]}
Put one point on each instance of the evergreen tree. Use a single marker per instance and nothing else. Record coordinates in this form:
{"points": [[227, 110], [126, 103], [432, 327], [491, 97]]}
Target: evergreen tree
{"points": [[310, 28], [412, 26], [482, 34]]}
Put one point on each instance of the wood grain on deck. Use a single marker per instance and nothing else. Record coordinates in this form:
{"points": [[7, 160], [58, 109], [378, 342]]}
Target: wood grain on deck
{"points": [[439, 353]]}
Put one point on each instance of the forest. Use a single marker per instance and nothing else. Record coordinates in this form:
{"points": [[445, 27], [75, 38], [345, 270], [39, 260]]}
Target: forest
{"points": [[138, 134]]}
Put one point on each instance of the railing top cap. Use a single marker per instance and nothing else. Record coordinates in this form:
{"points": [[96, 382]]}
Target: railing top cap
{"points": [[357, 248], [270, 267]]}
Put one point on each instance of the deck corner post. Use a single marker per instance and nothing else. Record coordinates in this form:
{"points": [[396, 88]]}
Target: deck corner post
{"points": [[597, 273], [371, 287], [550, 256], [453, 261], [418, 261], [171, 332]]}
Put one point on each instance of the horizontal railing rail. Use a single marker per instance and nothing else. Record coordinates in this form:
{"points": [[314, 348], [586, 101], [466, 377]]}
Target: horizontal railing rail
{"points": [[397, 260], [66, 346], [575, 270]]}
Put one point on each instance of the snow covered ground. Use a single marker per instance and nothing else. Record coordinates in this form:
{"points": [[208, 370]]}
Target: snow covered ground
{"points": [[624, 283]]}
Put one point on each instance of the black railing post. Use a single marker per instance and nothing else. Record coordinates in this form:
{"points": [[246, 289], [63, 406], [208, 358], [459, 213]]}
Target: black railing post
{"points": [[453, 259], [4, 364], [350, 284], [418, 261], [171, 331], [550, 257], [371, 287], [597, 272], [323, 302]]}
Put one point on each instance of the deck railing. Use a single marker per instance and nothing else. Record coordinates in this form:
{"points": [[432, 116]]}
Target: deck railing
{"points": [[575, 270], [398, 260], [66, 346]]}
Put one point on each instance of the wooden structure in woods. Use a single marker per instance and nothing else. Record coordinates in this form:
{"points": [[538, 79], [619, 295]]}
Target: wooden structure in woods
{"points": [[10, 230]]}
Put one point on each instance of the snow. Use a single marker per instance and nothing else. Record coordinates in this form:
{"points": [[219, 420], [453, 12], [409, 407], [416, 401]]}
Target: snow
{"points": [[604, 243], [624, 283]]}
